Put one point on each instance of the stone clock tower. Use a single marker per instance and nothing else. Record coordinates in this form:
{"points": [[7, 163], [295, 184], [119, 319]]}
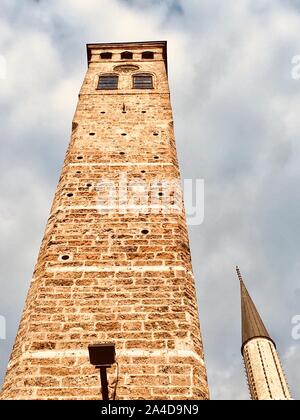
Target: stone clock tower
{"points": [[111, 269]]}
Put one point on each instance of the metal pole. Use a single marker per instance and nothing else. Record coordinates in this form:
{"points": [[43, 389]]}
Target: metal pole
{"points": [[104, 383]]}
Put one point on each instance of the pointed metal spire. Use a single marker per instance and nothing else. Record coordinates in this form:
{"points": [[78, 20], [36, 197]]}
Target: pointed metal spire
{"points": [[252, 324]]}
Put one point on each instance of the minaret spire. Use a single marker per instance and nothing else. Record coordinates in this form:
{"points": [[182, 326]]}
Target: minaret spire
{"points": [[264, 371], [252, 324], [238, 272]]}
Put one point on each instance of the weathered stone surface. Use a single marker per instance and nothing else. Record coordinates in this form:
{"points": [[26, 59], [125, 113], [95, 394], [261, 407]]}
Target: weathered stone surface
{"points": [[117, 284], [264, 371]]}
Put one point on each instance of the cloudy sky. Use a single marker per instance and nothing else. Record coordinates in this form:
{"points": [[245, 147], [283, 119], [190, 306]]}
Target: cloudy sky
{"points": [[236, 108]]}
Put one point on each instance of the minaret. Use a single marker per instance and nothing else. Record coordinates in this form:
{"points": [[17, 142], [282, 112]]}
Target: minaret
{"points": [[263, 367], [114, 264]]}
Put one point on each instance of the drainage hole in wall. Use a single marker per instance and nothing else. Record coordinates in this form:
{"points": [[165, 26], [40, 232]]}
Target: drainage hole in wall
{"points": [[145, 231], [92, 134], [70, 195], [88, 185], [79, 157], [122, 153], [65, 257], [124, 134], [155, 133], [156, 157]]}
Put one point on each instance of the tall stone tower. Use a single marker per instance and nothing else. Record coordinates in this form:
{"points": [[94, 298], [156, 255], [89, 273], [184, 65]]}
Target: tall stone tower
{"points": [[108, 271], [265, 375]]}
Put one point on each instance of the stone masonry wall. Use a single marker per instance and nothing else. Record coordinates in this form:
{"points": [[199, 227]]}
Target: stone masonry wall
{"points": [[113, 276]]}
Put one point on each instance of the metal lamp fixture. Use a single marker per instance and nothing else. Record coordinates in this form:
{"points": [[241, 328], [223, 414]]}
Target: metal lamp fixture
{"points": [[102, 356]]}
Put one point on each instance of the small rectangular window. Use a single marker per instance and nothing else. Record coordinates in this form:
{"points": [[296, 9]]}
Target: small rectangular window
{"points": [[106, 55], [148, 55], [126, 55], [108, 82], [142, 81]]}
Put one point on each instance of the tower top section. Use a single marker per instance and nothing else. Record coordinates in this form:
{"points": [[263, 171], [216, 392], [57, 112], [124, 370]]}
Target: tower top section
{"points": [[128, 51], [252, 324]]}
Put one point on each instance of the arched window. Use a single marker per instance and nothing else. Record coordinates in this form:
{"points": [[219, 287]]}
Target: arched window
{"points": [[143, 81], [108, 82], [148, 55], [126, 55], [106, 56]]}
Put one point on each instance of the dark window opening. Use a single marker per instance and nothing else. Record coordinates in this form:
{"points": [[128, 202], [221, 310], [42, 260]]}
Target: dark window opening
{"points": [[70, 195], [108, 82], [148, 55], [126, 55], [143, 81], [106, 56]]}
